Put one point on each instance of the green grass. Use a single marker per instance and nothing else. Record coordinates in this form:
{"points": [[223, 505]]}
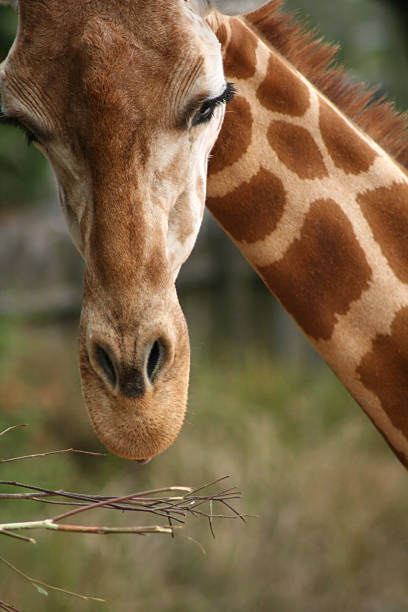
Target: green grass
{"points": [[331, 501]]}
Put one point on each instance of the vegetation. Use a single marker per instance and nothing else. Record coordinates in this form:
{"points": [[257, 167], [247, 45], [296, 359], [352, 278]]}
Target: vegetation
{"points": [[24, 175], [330, 500]]}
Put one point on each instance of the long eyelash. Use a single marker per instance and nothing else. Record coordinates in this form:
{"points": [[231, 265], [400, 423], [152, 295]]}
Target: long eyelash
{"points": [[226, 96], [213, 103], [6, 120]]}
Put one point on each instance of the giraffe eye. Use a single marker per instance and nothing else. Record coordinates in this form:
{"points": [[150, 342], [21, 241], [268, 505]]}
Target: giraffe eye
{"points": [[207, 109], [205, 113]]}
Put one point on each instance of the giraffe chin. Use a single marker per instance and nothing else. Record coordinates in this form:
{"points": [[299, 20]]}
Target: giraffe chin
{"points": [[136, 429]]}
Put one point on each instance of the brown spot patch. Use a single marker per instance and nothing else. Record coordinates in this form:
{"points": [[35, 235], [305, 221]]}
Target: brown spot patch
{"points": [[384, 371], [235, 137], [296, 148], [251, 211], [282, 91], [222, 34], [240, 56], [323, 271], [386, 210], [347, 149]]}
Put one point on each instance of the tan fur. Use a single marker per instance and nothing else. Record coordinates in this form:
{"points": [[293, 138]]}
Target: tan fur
{"points": [[315, 59]]}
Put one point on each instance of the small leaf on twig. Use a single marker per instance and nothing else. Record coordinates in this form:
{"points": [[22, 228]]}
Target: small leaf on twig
{"points": [[38, 584], [40, 589]]}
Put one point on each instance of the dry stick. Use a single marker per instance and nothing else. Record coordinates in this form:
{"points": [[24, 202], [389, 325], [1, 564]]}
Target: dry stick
{"points": [[38, 584], [210, 484], [7, 607], [39, 497], [167, 506], [96, 498], [163, 512], [11, 428], [174, 504], [57, 452], [116, 500], [31, 496], [18, 536], [210, 520], [233, 510], [144, 502], [51, 524]]}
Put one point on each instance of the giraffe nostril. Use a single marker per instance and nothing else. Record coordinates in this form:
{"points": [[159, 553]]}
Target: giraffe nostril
{"points": [[106, 364], [154, 360], [124, 376]]}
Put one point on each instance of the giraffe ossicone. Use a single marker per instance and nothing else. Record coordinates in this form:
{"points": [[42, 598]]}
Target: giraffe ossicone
{"points": [[203, 7], [127, 100]]}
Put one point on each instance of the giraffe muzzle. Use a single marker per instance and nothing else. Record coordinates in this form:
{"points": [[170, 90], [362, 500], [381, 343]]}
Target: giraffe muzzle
{"points": [[135, 377]]}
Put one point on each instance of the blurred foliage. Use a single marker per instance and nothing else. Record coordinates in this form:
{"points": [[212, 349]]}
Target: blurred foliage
{"points": [[372, 39], [331, 503], [24, 173], [8, 26]]}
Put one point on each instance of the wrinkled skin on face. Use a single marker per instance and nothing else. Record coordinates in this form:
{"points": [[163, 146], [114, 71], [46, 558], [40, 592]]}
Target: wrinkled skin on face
{"points": [[114, 93]]}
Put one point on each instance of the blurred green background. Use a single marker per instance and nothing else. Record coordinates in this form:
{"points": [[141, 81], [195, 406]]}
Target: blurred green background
{"points": [[331, 500]]}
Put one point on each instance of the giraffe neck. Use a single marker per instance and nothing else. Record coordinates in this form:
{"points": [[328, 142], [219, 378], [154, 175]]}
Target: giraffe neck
{"points": [[321, 213]]}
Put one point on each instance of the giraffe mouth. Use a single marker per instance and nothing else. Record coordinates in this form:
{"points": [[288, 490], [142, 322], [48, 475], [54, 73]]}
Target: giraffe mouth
{"points": [[136, 397]]}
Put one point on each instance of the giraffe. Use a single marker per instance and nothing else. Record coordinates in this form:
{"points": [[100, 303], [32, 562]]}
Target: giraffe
{"points": [[315, 204]]}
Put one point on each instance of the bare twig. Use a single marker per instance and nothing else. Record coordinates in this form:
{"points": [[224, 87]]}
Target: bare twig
{"points": [[170, 503], [171, 507], [57, 452], [210, 518], [7, 607], [18, 536], [42, 586], [11, 428]]}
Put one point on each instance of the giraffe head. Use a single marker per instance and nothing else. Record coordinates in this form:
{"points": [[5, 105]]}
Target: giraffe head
{"points": [[125, 99]]}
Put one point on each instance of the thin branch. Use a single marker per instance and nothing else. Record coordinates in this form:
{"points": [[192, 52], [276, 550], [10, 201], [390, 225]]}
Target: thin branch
{"points": [[233, 510], [170, 507], [57, 452], [11, 429], [7, 607], [170, 503], [210, 519], [117, 500], [38, 583], [18, 496], [130, 506], [18, 536], [210, 484], [93, 529]]}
